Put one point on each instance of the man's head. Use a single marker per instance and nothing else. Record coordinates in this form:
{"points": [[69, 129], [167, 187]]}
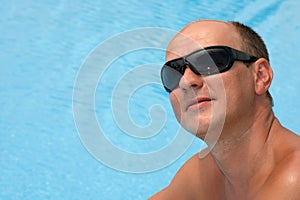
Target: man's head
{"points": [[203, 101]]}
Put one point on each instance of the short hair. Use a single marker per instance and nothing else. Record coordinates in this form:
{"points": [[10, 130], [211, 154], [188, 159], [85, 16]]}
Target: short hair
{"points": [[253, 44]]}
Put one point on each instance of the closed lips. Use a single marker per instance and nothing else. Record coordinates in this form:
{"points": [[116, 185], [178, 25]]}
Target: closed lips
{"points": [[198, 101]]}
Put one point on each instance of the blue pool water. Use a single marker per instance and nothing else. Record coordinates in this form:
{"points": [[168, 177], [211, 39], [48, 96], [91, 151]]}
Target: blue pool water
{"points": [[46, 113]]}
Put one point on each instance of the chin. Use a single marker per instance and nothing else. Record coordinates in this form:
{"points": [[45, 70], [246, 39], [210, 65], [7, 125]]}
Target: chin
{"points": [[201, 132], [198, 131], [201, 135]]}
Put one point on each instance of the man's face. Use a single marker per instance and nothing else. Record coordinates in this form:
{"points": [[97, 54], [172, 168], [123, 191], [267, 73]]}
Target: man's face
{"points": [[214, 102]]}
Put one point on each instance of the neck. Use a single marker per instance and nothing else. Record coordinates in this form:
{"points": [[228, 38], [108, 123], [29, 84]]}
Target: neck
{"points": [[241, 157]]}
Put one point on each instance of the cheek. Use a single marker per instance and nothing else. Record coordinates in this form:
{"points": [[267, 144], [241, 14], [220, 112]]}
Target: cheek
{"points": [[217, 89], [239, 93], [175, 102], [231, 88]]}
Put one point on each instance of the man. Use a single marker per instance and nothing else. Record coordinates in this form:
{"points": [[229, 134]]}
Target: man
{"points": [[252, 157]]}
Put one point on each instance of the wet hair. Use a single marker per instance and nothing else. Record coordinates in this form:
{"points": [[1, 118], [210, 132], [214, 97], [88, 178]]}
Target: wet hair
{"points": [[253, 44]]}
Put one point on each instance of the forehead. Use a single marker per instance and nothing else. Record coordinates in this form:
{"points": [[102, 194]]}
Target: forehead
{"points": [[202, 34]]}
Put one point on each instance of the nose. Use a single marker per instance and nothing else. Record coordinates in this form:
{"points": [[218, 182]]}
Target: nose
{"points": [[190, 80]]}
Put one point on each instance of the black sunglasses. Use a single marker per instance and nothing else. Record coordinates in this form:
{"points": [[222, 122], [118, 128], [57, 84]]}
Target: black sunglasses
{"points": [[206, 61]]}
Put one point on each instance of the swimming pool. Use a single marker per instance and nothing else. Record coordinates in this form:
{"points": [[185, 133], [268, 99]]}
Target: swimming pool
{"points": [[47, 46]]}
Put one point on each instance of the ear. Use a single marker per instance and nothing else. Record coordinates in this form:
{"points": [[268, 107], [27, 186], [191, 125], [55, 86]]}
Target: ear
{"points": [[263, 75]]}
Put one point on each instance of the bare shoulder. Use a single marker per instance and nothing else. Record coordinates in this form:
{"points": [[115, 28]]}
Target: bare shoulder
{"points": [[284, 181], [191, 180]]}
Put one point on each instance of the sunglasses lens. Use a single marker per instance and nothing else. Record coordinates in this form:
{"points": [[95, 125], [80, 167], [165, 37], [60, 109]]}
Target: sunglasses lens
{"points": [[170, 77], [210, 61]]}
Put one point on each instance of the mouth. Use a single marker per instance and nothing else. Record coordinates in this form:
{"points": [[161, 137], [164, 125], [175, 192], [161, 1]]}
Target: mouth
{"points": [[198, 103]]}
